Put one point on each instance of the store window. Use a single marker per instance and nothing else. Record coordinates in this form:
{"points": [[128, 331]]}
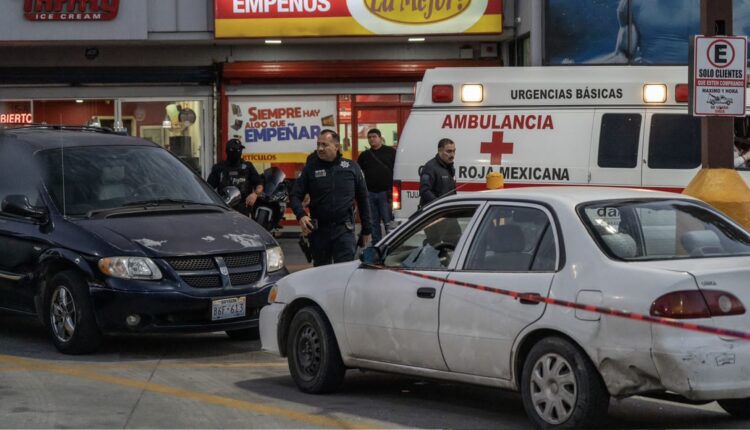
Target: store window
{"points": [[15, 112], [174, 125], [75, 112]]}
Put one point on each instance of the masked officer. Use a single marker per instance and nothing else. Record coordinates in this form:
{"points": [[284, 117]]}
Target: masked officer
{"points": [[239, 173], [333, 183]]}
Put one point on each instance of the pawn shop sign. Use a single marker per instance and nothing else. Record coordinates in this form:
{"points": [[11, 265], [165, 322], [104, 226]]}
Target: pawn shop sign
{"points": [[718, 76]]}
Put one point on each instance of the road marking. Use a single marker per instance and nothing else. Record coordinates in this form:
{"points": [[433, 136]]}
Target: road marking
{"points": [[163, 365], [285, 413]]}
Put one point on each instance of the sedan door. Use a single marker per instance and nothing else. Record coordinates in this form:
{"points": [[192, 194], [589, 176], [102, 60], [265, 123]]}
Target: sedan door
{"points": [[513, 248], [393, 317]]}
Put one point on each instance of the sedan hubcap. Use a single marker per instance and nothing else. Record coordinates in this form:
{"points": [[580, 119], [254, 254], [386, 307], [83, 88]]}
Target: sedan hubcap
{"points": [[308, 351], [553, 388], [63, 314]]}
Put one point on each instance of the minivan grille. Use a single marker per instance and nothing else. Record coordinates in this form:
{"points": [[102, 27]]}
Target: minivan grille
{"points": [[203, 271], [184, 264]]}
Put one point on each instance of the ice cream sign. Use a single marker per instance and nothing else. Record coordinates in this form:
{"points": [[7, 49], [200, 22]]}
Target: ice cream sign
{"points": [[316, 18]]}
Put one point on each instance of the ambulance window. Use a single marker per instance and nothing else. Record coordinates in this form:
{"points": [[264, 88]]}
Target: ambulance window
{"points": [[618, 140], [675, 142]]}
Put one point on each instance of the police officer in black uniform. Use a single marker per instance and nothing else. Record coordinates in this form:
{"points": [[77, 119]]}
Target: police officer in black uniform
{"points": [[239, 173], [334, 183], [437, 176]]}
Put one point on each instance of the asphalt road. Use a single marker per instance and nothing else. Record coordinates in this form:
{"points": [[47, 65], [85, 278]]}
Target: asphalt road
{"points": [[209, 381]]}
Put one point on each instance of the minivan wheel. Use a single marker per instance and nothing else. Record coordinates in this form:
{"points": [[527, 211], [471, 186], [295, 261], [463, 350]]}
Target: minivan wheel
{"points": [[560, 387], [738, 408], [69, 315], [244, 334], [314, 357]]}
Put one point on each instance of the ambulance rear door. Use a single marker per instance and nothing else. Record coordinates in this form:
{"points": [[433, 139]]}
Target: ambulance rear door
{"points": [[616, 150], [671, 150]]}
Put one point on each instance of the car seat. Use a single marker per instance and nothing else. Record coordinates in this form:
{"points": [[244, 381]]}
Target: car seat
{"points": [[701, 242], [112, 184], [621, 245], [503, 249]]}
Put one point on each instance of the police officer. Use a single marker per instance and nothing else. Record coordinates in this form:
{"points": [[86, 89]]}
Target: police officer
{"points": [[437, 176], [333, 183], [239, 173]]}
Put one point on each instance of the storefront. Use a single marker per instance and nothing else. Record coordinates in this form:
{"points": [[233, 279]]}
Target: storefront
{"points": [[97, 63], [278, 108]]}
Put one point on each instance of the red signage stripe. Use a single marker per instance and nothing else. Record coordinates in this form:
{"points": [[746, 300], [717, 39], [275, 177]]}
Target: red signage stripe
{"points": [[590, 308], [494, 7]]}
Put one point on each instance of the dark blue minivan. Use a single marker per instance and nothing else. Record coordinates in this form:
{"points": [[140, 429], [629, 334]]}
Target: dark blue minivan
{"points": [[103, 234]]}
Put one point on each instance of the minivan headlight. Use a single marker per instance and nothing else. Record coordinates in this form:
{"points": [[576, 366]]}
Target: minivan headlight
{"points": [[130, 268], [274, 258]]}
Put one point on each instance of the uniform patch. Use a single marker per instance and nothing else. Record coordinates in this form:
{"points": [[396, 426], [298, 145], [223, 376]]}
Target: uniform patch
{"points": [[344, 164], [320, 173]]}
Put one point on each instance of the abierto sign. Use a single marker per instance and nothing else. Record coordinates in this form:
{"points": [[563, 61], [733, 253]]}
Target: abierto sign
{"points": [[324, 18], [719, 76], [71, 10]]}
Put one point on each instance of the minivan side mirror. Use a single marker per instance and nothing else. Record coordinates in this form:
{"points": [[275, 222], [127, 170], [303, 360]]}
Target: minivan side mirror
{"points": [[372, 256], [231, 195], [18, 204]]}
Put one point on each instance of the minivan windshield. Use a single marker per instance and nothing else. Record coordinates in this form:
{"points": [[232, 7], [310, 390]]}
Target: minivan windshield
{"points": [[87, 179], [662, 230]]}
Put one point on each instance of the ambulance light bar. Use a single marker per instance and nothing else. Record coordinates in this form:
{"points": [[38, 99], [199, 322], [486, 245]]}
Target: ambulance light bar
{"points": [[442, 93], [472, 93], [681, 93], [654, 93]]}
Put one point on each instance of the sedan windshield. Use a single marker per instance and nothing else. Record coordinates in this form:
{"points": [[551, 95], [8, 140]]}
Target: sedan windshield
{"points": [[84, 180], [662, 230]]}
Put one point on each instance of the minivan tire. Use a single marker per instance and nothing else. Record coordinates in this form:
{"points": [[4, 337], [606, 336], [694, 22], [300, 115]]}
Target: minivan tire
{"points": [[314, 357], [252, 333], [69, 316], [558, 372]]}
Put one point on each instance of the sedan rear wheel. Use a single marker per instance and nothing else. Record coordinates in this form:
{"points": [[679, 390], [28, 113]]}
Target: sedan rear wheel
{"points": [[560, 387], [314, 358], [69, 315]]}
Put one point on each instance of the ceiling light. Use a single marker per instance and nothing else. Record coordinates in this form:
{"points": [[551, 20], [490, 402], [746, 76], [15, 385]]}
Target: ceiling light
{"points": [[273, 42], [416, 39], [167, 123], [79, 101]]}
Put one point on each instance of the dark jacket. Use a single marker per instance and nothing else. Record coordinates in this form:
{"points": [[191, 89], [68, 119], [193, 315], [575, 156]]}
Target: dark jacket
{"points": [[436, 179], [241, 175], [378, 168], [333, 188]]}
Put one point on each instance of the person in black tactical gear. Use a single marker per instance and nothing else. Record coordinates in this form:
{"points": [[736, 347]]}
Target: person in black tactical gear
{"points": [[437, 176], [377, 164], [333, 183], [239, 173]]}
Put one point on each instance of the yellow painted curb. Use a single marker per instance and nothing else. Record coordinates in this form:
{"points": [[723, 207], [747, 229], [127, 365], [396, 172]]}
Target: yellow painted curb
{"points": [[725, 190]]}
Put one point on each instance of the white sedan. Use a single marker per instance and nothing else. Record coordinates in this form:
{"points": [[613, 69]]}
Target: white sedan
{"points": [[437, 298]]}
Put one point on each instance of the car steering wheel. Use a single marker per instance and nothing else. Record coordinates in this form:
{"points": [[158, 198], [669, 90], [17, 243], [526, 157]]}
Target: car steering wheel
{"points": [[445, 252]]}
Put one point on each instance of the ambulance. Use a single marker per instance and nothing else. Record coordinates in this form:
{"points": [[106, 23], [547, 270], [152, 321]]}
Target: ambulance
{"points": [[623, 126]]}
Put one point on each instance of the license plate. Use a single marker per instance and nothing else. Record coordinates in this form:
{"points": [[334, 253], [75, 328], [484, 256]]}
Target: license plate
{"points": [[233, 307]]}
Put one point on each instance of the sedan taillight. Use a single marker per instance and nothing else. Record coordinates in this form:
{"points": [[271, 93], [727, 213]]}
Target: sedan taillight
{"points": [[696, 304]]}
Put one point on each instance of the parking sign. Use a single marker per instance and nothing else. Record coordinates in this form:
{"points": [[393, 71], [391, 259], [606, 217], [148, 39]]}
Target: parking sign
{"points": [[719, 76]]}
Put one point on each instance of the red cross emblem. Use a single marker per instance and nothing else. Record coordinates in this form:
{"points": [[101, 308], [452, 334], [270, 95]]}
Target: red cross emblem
{"points": [[496, 148]]}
